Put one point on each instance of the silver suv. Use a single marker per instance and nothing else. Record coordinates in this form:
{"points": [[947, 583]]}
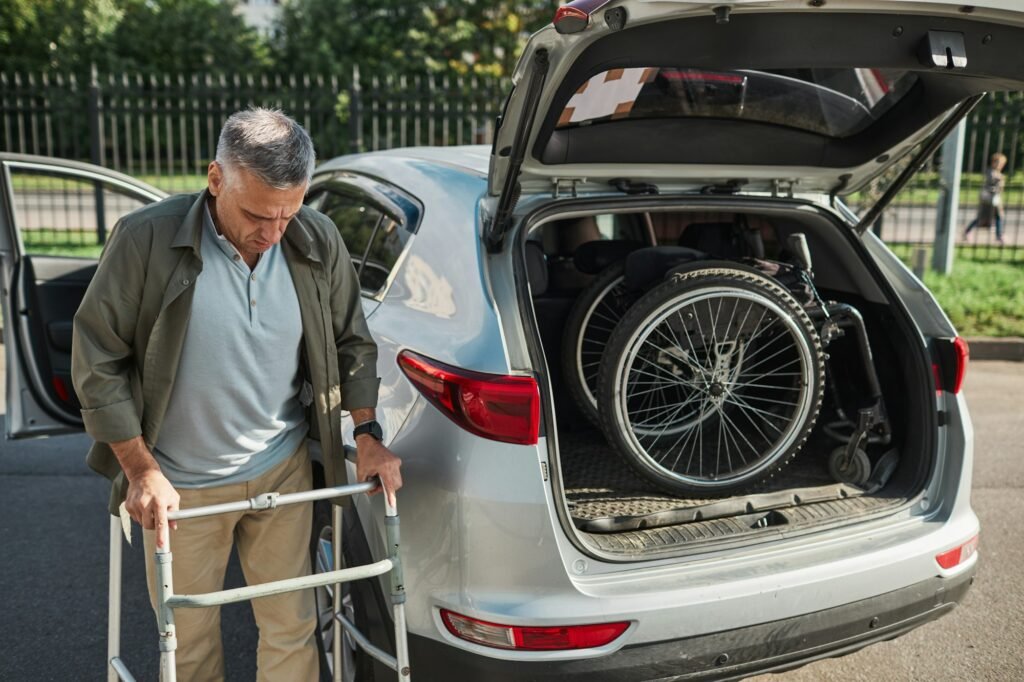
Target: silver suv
{"points": [[545, 535]]}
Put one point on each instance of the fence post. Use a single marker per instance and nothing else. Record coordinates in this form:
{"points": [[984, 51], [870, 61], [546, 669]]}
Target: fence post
{"points": [[949, 200], [355, 115], [96, 149]]}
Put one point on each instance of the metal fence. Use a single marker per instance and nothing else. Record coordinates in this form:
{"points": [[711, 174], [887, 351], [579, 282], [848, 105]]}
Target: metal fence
{"points": [[996, 125], [163, 129]]}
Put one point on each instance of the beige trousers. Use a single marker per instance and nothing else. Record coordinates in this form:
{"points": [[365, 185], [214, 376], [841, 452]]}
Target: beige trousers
{"points": [[272, 545]]}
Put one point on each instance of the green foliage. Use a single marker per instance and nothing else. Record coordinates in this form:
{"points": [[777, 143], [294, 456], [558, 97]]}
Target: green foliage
{"points": [[392, 37], [187, 36], [59, 34], [176, 36], [982, 298], [399, 37]]}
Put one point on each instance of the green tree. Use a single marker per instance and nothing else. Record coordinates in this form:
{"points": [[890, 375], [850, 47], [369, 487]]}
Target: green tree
{"points": [[187, 36], [478, 37], [402, 37], [58, 34], [181, 36]]}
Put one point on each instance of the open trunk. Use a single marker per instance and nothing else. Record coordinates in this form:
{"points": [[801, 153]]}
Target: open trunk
{"points": [[615, 511]]}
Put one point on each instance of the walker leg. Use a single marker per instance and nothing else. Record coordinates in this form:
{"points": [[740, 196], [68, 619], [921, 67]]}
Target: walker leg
{"points": [[391, 527], [337, 653], [401, 644], [165, 614], [114, 599]]}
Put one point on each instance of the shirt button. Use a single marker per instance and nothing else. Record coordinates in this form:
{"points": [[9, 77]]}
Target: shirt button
{"points": [[253, 277], [236, 256], [184, 282], [252, 302]]}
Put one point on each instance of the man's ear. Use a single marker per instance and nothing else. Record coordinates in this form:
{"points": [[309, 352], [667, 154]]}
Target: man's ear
{"points": [[215, 178]]}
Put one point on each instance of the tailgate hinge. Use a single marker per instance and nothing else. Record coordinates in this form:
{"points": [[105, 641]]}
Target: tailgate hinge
{"points": [[557, 183], [780, 186]]}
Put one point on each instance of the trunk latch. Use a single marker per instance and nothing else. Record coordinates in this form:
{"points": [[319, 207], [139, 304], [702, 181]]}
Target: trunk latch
{"points": [[943, 49]]}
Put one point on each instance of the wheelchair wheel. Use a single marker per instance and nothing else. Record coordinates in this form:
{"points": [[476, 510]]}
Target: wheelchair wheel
{"points": [[711, 382], [591, 320]]}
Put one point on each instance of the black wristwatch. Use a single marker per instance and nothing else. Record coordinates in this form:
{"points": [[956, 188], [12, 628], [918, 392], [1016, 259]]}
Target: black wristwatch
{"points": [[371, 427]]}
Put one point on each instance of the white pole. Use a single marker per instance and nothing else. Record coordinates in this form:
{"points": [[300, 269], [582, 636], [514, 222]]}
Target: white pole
{"points": [[337, 653], [946, 226], [114, 598]]}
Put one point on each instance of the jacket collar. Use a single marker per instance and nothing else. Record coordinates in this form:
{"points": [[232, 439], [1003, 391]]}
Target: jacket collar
{"points": [[298, 235], [190, 234]]}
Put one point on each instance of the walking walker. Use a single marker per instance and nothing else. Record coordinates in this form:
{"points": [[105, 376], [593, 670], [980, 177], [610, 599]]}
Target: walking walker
{"points": [[168, 601]]}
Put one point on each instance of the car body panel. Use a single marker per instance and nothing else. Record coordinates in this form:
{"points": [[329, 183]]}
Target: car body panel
{"points": [[481, 533]]}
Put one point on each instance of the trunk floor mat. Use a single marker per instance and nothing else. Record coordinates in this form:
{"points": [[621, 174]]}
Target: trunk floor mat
{"points": [[621, 512]]}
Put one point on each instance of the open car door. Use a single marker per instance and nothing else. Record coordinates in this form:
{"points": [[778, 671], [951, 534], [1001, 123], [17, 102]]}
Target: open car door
{"points": [[55, 216]]}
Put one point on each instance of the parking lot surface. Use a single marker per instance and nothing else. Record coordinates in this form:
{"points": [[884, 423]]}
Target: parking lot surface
{"points": [[53, 576]]}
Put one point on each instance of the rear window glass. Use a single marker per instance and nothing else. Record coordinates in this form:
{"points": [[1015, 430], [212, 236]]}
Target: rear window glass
{"points": [[832, 102]]}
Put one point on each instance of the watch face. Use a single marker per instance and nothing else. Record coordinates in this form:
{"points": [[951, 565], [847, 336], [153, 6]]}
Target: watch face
{"points": [[372, 428]]}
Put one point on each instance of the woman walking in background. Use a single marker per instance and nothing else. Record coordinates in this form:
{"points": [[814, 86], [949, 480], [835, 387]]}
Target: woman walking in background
{"points": [[991, 206]]}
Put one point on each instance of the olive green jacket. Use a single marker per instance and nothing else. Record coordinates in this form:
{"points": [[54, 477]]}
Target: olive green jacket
{"points": [[130, 329]]}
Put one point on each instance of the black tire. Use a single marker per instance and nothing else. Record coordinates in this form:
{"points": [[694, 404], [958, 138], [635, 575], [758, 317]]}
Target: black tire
{"points": [[590, 323], [362, 670], [671, 373]]}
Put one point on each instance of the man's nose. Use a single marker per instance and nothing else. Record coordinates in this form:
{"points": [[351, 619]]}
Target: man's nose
{"points": [[275, 232]]}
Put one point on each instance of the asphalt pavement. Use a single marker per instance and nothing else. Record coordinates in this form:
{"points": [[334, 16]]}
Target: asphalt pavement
{"points": [[53, 570]]}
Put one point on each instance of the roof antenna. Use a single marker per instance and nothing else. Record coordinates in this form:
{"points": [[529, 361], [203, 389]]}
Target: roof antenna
{"points": [[722, 13]]}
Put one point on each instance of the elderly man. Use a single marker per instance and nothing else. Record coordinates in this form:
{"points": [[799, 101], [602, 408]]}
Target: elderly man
{"points": [[221, 329]]}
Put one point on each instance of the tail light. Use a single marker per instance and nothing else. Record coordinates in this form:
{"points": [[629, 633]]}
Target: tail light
{"points": [[950, 364], [499, 407], [526, 638], [575, 16], [958, 555]]}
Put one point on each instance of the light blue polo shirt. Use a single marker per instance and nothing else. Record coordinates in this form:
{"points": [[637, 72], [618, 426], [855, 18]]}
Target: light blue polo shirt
{"points": [[234, 410]]}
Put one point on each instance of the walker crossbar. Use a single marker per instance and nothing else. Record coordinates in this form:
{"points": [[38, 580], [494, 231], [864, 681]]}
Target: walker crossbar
{"points": [[344, 575], [168, 601]]}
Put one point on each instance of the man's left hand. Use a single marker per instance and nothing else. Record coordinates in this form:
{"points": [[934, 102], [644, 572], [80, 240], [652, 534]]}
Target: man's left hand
{"points": [[373, 459]]}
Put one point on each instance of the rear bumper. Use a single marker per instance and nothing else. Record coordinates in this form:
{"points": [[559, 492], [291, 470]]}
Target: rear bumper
{"points": [[773, 646]]}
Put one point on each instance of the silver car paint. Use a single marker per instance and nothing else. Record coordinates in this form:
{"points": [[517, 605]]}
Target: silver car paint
{"points": [[480, 532]]}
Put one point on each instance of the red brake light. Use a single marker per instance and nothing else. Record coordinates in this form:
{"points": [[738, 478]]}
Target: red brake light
{"points": [[499, 407], [963, 354], [575, 16], [526, 638], [950, 363], [958, 555]]}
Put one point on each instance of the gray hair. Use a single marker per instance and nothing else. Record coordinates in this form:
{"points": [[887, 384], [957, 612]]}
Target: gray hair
{"points": [[270, 145]]}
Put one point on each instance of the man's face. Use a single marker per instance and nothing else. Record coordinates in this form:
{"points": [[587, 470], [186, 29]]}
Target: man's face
{"points": [[248, 212]]}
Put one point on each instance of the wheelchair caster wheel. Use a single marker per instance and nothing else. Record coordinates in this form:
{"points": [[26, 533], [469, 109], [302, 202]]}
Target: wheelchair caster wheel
{"points": [[857, 471]]}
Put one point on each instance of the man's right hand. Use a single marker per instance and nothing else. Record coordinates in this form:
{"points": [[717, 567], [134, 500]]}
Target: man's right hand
{"points": [[150, 497]]}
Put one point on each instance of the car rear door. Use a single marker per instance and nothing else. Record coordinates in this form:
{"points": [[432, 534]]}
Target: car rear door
{"points": [[749, 95], [55, 216]]}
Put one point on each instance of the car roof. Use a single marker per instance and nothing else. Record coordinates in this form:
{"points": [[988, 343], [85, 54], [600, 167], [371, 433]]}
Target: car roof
{"points": [[471, 159]]}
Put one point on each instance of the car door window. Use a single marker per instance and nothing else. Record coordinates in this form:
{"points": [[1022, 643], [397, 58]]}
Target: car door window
{"points": [[388, 242], [64, 215], [355, 220], [375, 239]]}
